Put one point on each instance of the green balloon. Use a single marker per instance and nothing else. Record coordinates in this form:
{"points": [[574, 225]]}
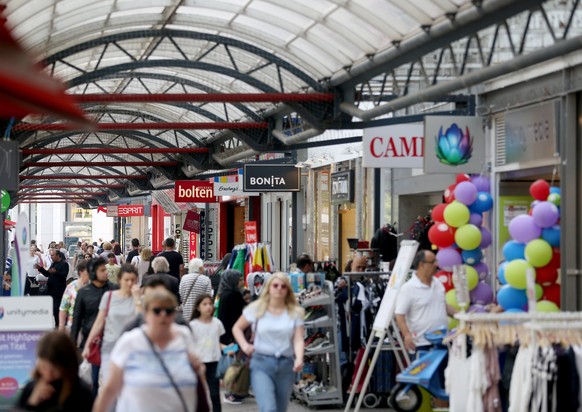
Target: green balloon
{"points": [[453, 323], [472, 277], [451, 299], [456, 214], [538, 253], [555, 199], [468, 237], [4, 201], [539, 291], [546, 306], [515, 273]]}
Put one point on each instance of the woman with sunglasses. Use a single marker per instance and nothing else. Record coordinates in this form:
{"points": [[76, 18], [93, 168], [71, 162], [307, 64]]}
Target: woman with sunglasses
{"points": [[277, 349], [147, 364]]}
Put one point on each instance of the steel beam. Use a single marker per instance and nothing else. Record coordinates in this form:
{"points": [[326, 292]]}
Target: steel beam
{"points": [[96, 164], [73, 176], [60, 193], [35, 202], [114, 150], [205, 98], [143, 126], [85, 186]]}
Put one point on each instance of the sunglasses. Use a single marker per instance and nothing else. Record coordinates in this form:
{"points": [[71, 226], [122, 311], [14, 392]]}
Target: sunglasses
{"points": [[158, 311], [281, 286]]}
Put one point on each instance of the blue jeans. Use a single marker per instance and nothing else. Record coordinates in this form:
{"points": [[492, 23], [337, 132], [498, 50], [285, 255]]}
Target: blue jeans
{"points": [[272, 381], [95, 378]]}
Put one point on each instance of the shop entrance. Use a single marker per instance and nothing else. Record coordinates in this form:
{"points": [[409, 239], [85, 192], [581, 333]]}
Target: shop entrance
{"points": [[347, 229], [235, 224]]}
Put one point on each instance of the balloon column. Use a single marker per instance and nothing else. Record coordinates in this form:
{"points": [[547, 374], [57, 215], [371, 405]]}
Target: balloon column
{"points": [[535, 245], [460, 237]]}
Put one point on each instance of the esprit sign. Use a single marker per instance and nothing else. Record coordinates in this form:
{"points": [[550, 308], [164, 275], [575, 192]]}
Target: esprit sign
{"points": [[271, 178], [125, 210], [194, 191], [398, 146]]}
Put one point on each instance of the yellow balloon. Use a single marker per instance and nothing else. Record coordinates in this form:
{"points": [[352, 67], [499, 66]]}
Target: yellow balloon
{"points": [[453, 323], [456, 214], [468, 237], [451, 299], [472, 277]]}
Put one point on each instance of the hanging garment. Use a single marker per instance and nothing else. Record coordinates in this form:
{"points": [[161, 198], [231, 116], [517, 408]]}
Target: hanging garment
{"points": [[578, 358], [567, 383], [521, 381], [478, 382], [239, 263], [491, 398], [457, 376]]}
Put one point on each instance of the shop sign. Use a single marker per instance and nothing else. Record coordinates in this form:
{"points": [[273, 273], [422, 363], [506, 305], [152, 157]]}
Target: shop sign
{"points": [[194, 191], [251, 232], [192, 222], [271, 178], [397, 146], [530, 133], [208, 226], [125, 210], [231, 189], [10, 159], [454, 144], [193, 237], [342, 187]]}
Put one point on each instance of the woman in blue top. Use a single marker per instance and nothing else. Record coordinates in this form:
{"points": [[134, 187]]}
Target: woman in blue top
{"points": [[277, 350]]}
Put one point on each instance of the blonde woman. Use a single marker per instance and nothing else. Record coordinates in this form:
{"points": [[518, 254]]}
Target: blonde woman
{"points": [[142, 263], [277, 350]]}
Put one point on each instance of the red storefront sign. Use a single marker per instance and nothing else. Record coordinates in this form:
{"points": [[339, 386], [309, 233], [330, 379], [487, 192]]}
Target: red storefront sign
{"points": [[192, 245], [251, 232], [194, 191], [125, 210], [192, 222]]}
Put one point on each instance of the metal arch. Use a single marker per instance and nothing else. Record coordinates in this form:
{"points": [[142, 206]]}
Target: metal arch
{"points": [[189, 35], [50, 182], [102, 169], [117, 157]]}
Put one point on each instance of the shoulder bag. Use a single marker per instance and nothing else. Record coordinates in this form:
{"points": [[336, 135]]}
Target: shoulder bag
{"points": [[237, 378], [181, 307], [94, 357], [202, 402]]}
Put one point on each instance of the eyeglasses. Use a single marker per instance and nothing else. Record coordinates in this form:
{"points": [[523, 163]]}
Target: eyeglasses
{"points": [[430, 262], [158, 311], [281, 286]]}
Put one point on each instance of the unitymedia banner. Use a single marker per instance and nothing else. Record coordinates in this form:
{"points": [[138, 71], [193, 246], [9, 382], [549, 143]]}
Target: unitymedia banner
{"points": [[271, 178]]}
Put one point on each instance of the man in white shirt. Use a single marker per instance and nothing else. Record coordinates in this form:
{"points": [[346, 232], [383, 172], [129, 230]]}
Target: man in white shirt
{"points": [[421, 305]]}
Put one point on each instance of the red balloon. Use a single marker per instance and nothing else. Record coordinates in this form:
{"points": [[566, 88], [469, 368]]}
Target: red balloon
{"points": [[441, 235], [450, 193], [461, 177], [555, 262], [446, 278], [547, 275], [552, 293], [438, 212], [540, 190]]}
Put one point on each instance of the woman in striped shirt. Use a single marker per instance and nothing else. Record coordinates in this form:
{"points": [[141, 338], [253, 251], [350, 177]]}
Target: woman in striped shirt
{"points": [[192, 285]]}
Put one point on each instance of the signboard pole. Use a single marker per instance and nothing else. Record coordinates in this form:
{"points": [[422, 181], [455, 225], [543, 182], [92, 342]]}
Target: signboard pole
{"points": [[384, 320], [206, 234]]}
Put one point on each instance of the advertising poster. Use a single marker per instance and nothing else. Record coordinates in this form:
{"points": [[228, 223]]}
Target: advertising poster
{"points": [[509, 207], [23, 321]]}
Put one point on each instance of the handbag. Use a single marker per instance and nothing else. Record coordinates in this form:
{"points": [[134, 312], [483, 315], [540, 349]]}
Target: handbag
{"points": [[94, 357], [237, 378], [223, 363], [203, 403], [181, 307]]}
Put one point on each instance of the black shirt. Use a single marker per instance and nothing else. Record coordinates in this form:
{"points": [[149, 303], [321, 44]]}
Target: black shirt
{"points": [[175, 260], [131, 255], [79, 400], [57, 282], [229, 310], [87, 308]]}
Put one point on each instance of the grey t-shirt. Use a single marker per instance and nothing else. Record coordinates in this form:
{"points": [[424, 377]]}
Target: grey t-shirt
{"points": [[121, 311]]}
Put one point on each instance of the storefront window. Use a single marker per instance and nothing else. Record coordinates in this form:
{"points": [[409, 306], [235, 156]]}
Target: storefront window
{"points": [[322, 215]]}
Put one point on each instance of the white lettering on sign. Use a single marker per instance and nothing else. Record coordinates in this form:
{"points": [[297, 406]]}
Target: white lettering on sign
{"points": [[398, 146], [267, 181], [203, 192], [130, 210]]}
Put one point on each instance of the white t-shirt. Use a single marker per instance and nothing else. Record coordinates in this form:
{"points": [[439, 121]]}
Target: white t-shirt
{"points": [[207, 339], [146, 387], [423, 306]]}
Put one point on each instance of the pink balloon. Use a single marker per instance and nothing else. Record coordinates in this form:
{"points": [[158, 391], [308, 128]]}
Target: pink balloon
{"points": [[447, 258]]}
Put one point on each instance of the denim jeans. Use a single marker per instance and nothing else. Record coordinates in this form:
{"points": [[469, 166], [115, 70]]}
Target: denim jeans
{"points": [[95, 378], [272, 381]]}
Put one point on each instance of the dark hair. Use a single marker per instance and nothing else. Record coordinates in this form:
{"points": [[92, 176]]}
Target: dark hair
{"points": [[348, 267], [117, 249], [60, 254], [246, 292], [110, 255], [196, 313], [81, 266], [170, 242], [419, 258], [135, 242], [59, 349], [127, 268], [303, 261], [152, 281], [93, 265]]}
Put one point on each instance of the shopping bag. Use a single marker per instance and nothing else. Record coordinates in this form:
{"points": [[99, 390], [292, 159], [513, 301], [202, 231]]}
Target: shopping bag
{"points": [[223, 364], [85, 374], [237, 378]]}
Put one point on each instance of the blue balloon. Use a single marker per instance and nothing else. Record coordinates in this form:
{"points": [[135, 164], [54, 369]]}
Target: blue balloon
{"points": [[511, 298], [555, 190], [513, 250], [552, 235], [501, 273], [514, 310], [472, 257], [484, 203]]}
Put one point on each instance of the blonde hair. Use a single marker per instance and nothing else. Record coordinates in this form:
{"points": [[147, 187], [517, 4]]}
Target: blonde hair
{"points": [[159, 296], [262, 303], [146, 254], [107, 246]]}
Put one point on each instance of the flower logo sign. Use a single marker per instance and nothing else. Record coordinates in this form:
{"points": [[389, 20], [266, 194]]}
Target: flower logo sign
{"points": [[454, 147]]}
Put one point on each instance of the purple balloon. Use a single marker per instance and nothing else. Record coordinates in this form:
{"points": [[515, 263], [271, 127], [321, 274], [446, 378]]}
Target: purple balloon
{"points": [[448, 258], [466, 193], [477, 309], [523, 229], [545, 214], [476, 219], [481, 183], [482, 294], [482, 270], [485, 238]]}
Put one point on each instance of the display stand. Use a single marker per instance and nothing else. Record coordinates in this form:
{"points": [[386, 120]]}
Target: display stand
{"points": [[384, 320], [329, 354]]}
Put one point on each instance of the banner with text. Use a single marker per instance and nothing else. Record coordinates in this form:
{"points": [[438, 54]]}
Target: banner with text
{"points": [[271, 178], [126, 210], [398, 146], [194, 191], [192, 222], [251, 232]]}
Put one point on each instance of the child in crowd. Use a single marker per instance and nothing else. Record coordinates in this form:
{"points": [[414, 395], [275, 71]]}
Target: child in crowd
{"points": [[246, 296], [112, 268], [207, 331]]}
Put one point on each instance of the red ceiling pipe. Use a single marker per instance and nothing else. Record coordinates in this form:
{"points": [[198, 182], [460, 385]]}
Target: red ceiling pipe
{"points": [[205, 97], [82, 199], [88, 185], [54, 127], [34, 202], [60, 193], [96, 164], [69, 177], [115, 150]]}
